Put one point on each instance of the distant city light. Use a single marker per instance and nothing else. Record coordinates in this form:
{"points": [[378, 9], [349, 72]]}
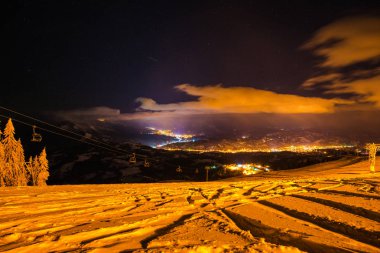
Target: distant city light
{"points": [[298, 149], [169, 133], [247, 168]]}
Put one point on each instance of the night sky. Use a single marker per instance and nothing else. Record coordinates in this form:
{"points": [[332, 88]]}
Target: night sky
{"points": [[95, 58]]}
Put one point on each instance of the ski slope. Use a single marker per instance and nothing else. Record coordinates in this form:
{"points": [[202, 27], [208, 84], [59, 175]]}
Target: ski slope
{"points": [[331, 207]]}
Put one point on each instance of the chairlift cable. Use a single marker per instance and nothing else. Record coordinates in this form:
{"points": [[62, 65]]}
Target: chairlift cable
{"points": [[66, 136], [109, 147], [60, 128]]}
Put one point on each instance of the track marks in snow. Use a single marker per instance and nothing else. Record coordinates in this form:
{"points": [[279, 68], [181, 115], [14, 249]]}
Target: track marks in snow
{"points": [[312, 214], [344, 223], [346, 208], [298, 237], [162, 231]]}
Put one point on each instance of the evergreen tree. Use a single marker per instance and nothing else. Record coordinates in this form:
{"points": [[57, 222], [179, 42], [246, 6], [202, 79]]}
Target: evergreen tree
{"points": [[13, 169], [22, 176], [2, 163], [15, 174], [36, 168], [32, 168], [9, 145], [43, 168]]}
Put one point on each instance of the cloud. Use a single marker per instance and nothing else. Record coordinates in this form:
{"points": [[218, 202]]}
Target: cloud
{"points": [[210, 100], [93, 112], [344, 45], [349, 47], [322, 79], [219, 99], [103, 113], [347, 41], [365, 90]]}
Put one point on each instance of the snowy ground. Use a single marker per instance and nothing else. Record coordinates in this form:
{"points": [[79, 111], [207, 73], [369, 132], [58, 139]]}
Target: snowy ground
{"points": [[333, 207]]}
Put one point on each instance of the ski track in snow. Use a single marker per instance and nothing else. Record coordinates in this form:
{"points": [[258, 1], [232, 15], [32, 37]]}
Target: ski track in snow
{"points": [[334, 210]]}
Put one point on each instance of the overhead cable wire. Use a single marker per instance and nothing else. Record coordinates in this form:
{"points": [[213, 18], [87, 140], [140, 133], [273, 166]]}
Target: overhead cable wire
{"points": [[60, 128], [109, 147], [66, 136]]}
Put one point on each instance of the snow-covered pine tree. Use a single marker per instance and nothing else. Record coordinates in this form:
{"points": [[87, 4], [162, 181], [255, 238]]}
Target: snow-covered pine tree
{"points": [[9, 144], [43, 168], [22, 175], [32, 170], [2, 163], [15, 174]]}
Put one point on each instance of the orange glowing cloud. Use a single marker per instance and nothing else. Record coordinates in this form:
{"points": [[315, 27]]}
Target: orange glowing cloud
{"points": [[344, 44], [347, 41], [212, 99], [366, 90], [218, 99], [317, 80]]}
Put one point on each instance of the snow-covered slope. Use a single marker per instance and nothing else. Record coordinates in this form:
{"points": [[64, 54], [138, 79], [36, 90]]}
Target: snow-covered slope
{"points": [[326, 208]]}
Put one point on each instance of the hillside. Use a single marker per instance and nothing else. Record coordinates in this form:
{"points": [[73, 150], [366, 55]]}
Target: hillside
{"points": [[86, 165], [276, 140], [331, 207]]}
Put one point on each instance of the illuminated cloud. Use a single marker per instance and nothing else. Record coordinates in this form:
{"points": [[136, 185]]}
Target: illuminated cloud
{"points": [[211, 100], [365, 90], [347, 41], [322, 79], [350, 47], [218, 99], [325, 80], [343, 44]]}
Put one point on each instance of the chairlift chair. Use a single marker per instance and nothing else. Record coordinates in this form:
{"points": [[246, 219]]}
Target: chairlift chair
{"points": [[36, 137], [132, 159], [146, 163]]}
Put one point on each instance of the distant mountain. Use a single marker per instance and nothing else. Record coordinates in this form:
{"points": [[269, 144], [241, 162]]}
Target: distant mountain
{"points": [[278, 140]]}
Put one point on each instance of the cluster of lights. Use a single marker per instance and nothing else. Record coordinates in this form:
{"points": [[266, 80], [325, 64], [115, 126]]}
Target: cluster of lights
{"points": [[299, 149], [304, 148], [170, 133], [247, 168]]}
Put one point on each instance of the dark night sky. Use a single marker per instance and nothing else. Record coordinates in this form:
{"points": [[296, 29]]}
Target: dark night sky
{"points": [[62, 55], [70, 54]]}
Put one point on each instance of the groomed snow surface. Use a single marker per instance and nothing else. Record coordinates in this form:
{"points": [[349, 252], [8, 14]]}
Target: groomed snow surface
{"points": [[332, 207]]}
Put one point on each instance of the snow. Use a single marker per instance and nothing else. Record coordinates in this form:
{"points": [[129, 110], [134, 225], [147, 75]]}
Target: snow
{"points": [[331, 207]]}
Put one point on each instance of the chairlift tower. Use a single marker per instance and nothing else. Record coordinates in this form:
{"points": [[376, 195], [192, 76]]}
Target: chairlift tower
{"points": [[207, 168], [372, 149]]}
